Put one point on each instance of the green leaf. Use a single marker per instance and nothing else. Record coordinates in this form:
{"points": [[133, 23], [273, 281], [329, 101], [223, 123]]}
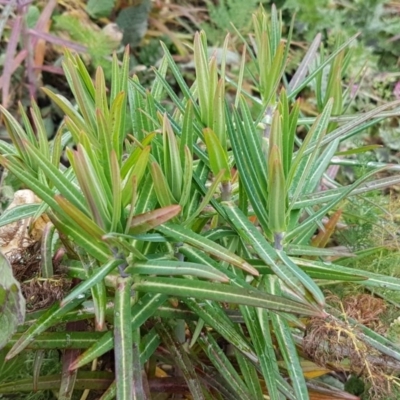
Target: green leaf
{"points": [[90, 380], [316, 217], [373, 279], [296, 89], [181, 234], [46, 264], [123, 341], [277, 193], [148, 345], [18, 213], [182, 359], [302, 164], [250, 162], [163, 191], [57, 178], [116, 193], [261, 339], [287, 270], [187, 178], [177, 72], [202, 77], [224, 293], [94, 247], [99, 297], [117, 115], [287, 347], [172, 162], [18, 135], [12, 302], [167, 267], [218, 125], [140, 312], [207, 198], [223, 365], [214, 316], [60, 340], [137, 172], [250, 375], [49, 318], [91, 181], [218, 155], [95, 277]]}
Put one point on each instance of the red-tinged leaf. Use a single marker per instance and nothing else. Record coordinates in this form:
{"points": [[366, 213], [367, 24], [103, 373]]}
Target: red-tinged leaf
{"points": [[277, 195], [78, 216], [322, 238], [144, 222]]}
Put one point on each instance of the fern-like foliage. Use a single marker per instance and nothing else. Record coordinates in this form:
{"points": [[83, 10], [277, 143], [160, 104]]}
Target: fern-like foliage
{"points": [[227, 13], [98, 43]]}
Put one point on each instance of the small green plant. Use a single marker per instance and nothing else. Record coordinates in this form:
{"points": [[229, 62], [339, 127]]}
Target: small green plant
{"points": [[193, 230]]}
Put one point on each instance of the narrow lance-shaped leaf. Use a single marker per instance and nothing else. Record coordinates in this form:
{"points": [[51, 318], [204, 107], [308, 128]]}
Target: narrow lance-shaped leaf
{"points": [[140, 312], [101, 93], [17, 135], [94, 191], [132, 158], [302, 164], [182, 359], [46, 264], [207, 197], [99, 297], [202, 75], [79, 87], [264, 349], [79, 217], [187, 133], [96, 276], [163, 192], [222, 363], [137, 172], [123, 339], [27, 126], [212, 90], [167, 267], [285, 269], [222, 292], [287, 346], [41, 134], [45, 321], [187, 236], [12, 302], [218, 155], [172, 162], [59, 180], [116, 193], [277, 196], [187, 178], [117, 114], [276, 179], [18, 213], [144, 222]]}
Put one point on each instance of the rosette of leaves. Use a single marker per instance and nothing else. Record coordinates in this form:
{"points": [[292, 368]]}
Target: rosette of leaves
{"points": [[190, 232]]}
